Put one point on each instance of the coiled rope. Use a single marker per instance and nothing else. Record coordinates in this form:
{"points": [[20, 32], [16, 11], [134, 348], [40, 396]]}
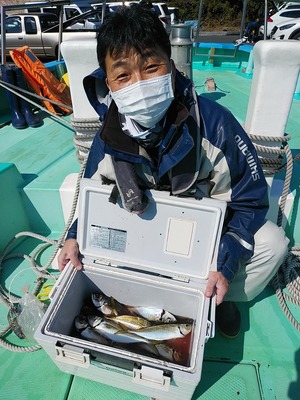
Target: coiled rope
{"points": [[82, 144], [85, 131], [5, 296], [288, 275]]}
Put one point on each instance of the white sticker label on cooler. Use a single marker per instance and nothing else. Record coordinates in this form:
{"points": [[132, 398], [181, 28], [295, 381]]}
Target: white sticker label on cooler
{"points": [[179, 238], [108, 238]]}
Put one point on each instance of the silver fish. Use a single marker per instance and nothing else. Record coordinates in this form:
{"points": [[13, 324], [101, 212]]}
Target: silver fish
{"points": [[91, 335], [164, 351], [164, 332], [131, 322], [87, 332], [103, 304], [153, 314], [112, 331], [81, 322], [169, 353], [108, 305]]}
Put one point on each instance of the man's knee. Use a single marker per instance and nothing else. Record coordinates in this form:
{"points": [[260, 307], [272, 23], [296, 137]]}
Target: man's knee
{"points": [[270, 239], [269, 252]]}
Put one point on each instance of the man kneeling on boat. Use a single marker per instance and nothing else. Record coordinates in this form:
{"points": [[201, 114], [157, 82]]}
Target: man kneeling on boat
{"points": [[158, 133]]}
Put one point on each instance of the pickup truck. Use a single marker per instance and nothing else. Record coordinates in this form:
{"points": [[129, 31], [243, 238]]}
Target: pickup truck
{"points": [[40, 32], [69, 11]]}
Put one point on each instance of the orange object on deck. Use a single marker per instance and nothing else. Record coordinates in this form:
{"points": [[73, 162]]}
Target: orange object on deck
{"points": [[41, 80]]}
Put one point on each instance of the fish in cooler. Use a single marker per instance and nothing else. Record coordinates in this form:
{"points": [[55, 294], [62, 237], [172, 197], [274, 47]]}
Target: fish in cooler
{"points": [[109, 306], [152, 313], [87, 332], [164, 332], [163, 351], [113, 331], [130, 322], [143, 329]]}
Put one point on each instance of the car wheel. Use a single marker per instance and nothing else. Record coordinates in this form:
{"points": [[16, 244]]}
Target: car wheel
{"points": [[296, 36]]}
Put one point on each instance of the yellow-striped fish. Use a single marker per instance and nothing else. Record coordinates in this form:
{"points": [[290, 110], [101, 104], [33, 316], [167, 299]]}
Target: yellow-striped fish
{"points": [[164, 332], [130, 322], [153, 314]]}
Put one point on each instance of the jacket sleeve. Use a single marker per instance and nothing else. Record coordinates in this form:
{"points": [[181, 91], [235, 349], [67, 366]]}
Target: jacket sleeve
{"points": [[97, 93], [237, 177], [96, 155]]}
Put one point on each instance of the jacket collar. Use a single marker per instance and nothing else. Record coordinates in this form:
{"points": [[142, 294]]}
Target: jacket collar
{"points": [[180, 148], [97, 92]]}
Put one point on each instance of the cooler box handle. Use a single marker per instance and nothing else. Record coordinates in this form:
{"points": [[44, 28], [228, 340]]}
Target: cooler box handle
{"points": [[151, 377]]}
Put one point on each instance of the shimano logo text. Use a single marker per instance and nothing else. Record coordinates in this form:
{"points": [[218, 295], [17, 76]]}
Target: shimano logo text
{"points": [[249, 157]]}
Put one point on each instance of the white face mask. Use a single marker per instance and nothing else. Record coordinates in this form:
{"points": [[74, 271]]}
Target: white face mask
{"points": [[146, 101]]}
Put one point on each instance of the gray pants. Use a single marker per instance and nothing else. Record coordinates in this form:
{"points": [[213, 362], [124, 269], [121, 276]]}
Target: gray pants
{"points": [[254, 275]]}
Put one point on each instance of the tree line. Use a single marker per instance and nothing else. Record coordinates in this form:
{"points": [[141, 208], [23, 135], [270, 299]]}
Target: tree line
{"points": [[221, 14]]}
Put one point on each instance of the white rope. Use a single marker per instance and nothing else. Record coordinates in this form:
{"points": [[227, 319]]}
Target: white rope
{"points": [[288, 275], [5, 296], [85, 131], [82, 143]]}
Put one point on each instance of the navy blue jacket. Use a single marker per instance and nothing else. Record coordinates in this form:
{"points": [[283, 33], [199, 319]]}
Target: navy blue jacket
{"points": [[204, 153]]}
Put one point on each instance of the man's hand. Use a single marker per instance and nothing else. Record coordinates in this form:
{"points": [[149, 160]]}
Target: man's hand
{"points": [[216, 285], [69, 252]]}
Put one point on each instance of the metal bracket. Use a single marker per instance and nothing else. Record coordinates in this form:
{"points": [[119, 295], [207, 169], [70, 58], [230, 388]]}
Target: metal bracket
{"points": [[212, 316], [181, 278], [73, 356], [210, 324], [151, 377], [102, 261]]}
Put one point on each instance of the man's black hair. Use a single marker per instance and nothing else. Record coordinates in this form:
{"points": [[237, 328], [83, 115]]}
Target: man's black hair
{"points": [[134, 27]]}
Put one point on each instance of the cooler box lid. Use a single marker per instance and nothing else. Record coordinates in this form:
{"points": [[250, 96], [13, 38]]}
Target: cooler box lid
{"points": [[175, 237]]}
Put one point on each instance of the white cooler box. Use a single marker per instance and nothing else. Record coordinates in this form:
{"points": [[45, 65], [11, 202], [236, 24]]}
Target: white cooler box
{"points": [[160, 258]]}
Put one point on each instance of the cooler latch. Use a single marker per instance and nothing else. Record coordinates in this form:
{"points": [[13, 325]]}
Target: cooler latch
{"points": [[151, 377], [72, 355]]}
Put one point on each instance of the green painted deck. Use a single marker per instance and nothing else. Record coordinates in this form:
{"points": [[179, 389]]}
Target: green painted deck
{"points": [[262, 363]]}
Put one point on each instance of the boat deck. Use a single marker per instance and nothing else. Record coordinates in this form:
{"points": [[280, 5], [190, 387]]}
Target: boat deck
{"points": [[262, 363]]}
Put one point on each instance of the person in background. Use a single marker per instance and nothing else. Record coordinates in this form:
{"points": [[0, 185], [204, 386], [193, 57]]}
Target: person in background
{"points": [[251, 33], [252, 30], [158, 133]]}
